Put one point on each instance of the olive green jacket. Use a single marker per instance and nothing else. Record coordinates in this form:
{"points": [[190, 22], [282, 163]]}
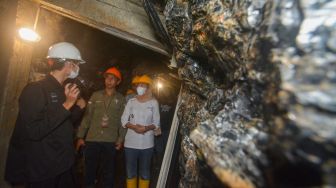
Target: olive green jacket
{"points": [[91, 123]]}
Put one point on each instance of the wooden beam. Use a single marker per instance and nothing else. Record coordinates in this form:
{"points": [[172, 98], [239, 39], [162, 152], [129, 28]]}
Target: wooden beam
{"points": [[16, 78], [123, 19]]}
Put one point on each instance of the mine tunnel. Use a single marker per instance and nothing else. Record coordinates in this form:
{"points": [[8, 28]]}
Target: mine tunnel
{"points": [[245, 89]]}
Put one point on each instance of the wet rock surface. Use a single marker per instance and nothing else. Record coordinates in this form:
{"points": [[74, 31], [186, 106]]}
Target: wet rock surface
{"points": [[258, 102]]}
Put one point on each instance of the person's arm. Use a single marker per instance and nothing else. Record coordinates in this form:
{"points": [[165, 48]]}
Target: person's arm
{"points": [[149, 127], [126, 117], [85, 124], [140, 129], [40, 118], [156, 118], [78, 110], [121, 130]]}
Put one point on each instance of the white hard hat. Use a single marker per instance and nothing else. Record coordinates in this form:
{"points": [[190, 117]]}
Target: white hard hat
{"points": [[65, 50]]}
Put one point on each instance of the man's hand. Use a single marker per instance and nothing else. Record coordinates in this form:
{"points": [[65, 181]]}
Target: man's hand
{"points": [[80, 142], [118, 146], [81, 103], [71, 93]]}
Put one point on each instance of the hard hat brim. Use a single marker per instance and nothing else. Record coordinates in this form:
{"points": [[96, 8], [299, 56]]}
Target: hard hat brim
{"points": [[81, 61]]}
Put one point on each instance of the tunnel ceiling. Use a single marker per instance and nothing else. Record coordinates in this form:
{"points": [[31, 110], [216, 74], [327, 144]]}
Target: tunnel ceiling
{"points": [[125, 19]]}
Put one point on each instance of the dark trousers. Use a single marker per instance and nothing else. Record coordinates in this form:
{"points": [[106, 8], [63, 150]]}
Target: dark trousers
{"points": [[64, 180], [99, 157]]}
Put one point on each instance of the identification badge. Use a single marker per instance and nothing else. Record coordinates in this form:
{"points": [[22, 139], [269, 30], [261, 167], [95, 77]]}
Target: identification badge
{"points": [[104, 122]]}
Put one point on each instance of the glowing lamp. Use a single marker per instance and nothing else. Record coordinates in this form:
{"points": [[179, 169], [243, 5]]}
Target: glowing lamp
{"points": [[29, 35], [159, 85]]}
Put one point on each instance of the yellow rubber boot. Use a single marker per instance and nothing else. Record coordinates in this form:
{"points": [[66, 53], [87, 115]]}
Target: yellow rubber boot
{"points": [[143, 183], [131, 183]]}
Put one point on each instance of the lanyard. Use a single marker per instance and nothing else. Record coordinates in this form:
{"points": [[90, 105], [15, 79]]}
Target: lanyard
{"points": [[106, 107]]}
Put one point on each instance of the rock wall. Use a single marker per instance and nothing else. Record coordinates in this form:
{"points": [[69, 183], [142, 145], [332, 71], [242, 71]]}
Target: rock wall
{"points": [[258, 102]]}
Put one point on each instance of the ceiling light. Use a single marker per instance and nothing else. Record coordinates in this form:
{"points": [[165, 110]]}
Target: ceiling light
{"points": [[29, 35]]}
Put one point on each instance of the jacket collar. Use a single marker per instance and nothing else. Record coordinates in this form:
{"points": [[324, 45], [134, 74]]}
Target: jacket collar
{"points": [[52, 80]]}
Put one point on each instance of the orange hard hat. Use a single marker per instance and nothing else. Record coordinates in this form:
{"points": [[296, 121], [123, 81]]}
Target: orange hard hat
{"points": [[145, 79], [135, 79], [113, 71]]}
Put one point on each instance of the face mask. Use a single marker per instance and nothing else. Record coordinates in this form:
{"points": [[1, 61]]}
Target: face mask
{"points": [[141, 90], [73, 74]]}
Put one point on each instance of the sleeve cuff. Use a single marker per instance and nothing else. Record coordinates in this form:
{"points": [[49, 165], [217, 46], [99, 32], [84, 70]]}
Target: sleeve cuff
{"points": [[124, 125], [119, 140], [80, 134]]}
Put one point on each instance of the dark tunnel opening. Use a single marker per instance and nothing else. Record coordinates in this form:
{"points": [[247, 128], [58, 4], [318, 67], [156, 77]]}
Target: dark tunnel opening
{"points": [[101, 51]]}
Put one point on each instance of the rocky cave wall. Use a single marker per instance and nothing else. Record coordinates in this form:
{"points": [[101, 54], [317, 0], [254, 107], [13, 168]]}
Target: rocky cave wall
{"points": [[258, 102]]}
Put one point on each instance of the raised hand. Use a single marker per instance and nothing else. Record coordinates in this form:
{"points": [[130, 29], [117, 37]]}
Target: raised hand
{"points": [[71, 93]]}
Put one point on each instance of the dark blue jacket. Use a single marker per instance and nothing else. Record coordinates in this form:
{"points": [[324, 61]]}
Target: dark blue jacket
{"points": [[41, 146]]}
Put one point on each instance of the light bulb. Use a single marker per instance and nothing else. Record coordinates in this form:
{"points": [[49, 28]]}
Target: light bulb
{"points": [[29, 35], [159, 85]]}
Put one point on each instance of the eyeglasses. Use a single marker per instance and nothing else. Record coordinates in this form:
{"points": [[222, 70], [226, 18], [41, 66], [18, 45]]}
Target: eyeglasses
{"points": [[73, 63]]}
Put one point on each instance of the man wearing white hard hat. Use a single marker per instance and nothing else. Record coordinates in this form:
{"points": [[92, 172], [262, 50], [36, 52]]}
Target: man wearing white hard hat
{"points": [[41, 151]]}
